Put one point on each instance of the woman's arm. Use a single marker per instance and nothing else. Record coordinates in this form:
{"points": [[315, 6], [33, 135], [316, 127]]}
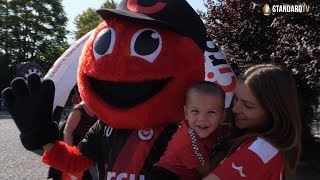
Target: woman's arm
{"points": [[71, 124]]}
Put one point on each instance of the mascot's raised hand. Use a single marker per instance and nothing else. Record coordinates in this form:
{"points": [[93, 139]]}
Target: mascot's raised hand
{"points": [[30, 105]]}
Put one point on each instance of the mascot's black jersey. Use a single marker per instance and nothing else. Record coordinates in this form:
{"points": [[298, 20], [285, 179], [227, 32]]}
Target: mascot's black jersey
{"points": [[122, 153]]}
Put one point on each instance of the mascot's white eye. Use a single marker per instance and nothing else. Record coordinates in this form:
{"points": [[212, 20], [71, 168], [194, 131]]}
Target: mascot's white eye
{"points": [[104, 43], [146, 44]]}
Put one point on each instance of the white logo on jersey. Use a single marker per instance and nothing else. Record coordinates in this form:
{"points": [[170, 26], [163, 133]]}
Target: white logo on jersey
{"points": [[145, 134], [107, 131], [238, 168], [263, 149], [120, 176]]}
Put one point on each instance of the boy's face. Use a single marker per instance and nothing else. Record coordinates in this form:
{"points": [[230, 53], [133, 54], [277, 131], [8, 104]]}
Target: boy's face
{"points": [[204, 113]]}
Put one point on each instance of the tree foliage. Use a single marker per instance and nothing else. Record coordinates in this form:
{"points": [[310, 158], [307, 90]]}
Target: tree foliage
{"points": [[249, 37], [90, 19], [32, 31]]}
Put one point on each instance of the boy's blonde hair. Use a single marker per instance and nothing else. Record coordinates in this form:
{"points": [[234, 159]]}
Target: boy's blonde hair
{"points": [[209, 88]]}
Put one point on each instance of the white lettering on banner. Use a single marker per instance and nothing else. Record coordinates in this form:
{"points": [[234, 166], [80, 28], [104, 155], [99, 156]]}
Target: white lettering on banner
{"points": [[123, 176], [67, 57], [56, 69], [64, 71], [218, 70]]}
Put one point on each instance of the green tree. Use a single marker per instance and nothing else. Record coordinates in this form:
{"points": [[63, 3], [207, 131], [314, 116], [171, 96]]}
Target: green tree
{"points": [[248, 37], [32, 31], [3, 33], [89, 19]]}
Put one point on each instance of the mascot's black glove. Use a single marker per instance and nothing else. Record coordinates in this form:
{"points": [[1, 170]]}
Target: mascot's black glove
{"points": [[30, 105]]}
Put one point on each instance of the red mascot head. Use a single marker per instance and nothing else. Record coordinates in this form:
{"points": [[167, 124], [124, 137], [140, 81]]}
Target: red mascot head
{"points": [[137, 65]]}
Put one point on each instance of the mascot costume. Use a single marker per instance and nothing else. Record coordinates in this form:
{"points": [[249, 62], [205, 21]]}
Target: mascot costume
{"points": [[133, 73]]}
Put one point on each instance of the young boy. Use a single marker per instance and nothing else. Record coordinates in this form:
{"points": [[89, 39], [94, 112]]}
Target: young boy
{"points": [[186, 156]]}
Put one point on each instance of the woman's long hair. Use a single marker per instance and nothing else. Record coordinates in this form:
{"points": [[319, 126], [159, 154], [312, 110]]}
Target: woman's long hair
{"points": [[275, 89]]}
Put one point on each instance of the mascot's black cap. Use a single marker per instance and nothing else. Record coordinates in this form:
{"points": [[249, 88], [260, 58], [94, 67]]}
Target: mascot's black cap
{"points": [[175, 14]]}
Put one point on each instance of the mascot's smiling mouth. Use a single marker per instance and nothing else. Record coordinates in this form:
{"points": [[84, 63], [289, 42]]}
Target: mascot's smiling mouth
{"points": [[127, 94]]}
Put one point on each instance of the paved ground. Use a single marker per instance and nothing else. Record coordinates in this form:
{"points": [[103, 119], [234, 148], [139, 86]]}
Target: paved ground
{"points": [[16, 163]]}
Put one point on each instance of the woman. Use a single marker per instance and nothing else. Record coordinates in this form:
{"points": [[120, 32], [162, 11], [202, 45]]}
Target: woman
{"points": [[79, 121], [265, 143]]}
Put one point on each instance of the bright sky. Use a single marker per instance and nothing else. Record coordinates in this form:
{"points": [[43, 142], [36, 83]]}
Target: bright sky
{"points": [[74, 8]]}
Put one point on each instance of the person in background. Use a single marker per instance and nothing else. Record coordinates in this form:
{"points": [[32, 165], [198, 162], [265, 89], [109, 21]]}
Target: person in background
{"points": [[265, 143], [79, 121], [72, 131], [187, 154], [76, 99]]}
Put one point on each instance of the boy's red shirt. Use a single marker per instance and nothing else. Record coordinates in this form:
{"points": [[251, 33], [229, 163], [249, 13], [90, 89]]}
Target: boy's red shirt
{"points": [[180, 157]]}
